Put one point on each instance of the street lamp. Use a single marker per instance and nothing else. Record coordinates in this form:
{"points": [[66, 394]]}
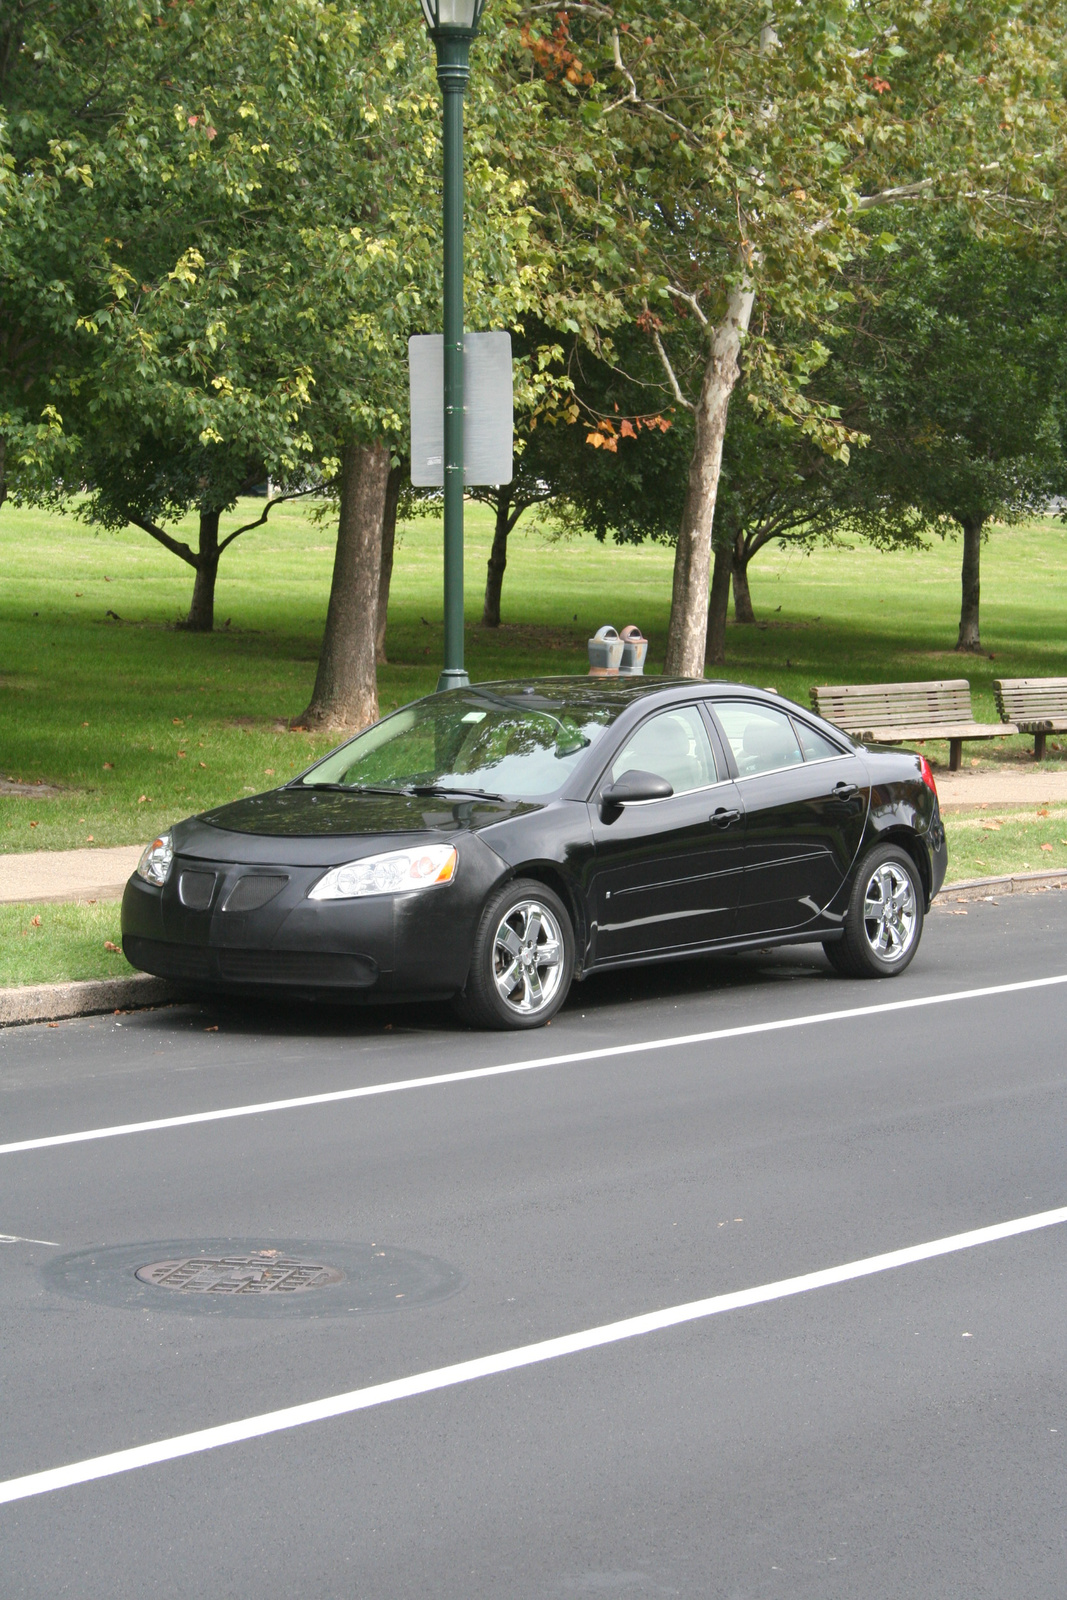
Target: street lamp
{"points": [[452, 25]]}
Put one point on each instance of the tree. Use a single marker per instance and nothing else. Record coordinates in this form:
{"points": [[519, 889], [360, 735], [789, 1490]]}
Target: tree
{"points": [[742, 149], [956, 366]]}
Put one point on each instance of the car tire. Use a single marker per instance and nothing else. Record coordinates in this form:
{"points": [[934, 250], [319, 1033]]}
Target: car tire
{"points": [[884, 923], [522, 959], [836, 954]]}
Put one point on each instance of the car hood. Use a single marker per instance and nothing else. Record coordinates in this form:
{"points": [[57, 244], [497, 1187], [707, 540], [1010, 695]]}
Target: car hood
{"points": [[301, 828], [317, 814]]}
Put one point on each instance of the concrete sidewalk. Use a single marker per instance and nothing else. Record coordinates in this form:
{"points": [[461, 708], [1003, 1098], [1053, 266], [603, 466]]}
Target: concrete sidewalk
{"points": [[45, 875], [1023, 786]]}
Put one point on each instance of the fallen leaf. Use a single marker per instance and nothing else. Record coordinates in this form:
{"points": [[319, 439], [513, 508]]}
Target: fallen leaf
{"points": [[1046, 847], [181, 755], [33, 824], [35, 922], [141, 798], [116, 949], [213, 1029], [90, 840], [85, 724], [53, 1024], [78, 593], [1043, 812], [201, 763], [177, 721], [109, 766], [268, 772]]}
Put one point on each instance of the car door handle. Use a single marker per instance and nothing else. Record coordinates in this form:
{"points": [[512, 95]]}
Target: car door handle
{"points": [[722, 818], [845, 791]]}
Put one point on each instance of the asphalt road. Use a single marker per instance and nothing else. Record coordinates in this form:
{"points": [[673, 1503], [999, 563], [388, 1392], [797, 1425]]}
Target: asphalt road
{"points": [[897, 1434]]}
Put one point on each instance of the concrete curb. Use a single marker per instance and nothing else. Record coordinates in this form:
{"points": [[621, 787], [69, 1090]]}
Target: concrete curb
{"points": [[1010, 883], [49, 1002]]}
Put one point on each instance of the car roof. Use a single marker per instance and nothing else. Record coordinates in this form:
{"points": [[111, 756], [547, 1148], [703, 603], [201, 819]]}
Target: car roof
{"points": [[588, 691]]}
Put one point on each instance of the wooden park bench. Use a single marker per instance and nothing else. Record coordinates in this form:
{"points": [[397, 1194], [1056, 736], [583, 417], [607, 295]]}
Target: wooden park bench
{"points": [[1033, 705], [891, 713]]}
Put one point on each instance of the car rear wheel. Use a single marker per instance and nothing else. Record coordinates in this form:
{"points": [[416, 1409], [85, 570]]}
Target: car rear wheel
{"points": [[522, 961], [885, 916]]}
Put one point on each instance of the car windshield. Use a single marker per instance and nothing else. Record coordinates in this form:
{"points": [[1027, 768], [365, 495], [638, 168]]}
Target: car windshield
{"points": [[518, 746]]}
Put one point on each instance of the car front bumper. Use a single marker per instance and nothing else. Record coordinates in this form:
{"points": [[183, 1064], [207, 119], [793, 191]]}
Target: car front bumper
{"points": [[415, 943]]}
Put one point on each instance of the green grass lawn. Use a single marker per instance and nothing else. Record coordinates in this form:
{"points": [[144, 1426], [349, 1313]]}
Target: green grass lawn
{"points": [[52, 943], [138, 724]]}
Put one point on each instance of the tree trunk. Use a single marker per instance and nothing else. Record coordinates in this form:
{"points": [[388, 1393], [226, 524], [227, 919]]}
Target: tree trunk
{"points": [[688, 627], [718, 602], [385, 571], [201, 618], [972, 559], [346, 687], [498, 560], [743, 611]]}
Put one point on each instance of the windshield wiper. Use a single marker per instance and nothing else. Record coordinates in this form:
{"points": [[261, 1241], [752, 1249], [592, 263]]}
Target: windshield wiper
{"points": [[439, 788], [353, 788]]}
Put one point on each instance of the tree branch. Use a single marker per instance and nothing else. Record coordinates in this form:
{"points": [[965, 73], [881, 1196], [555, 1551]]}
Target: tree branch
{"points": [[691, 300], [175, 546], [884, 197], [267, 509], [676, 388]]}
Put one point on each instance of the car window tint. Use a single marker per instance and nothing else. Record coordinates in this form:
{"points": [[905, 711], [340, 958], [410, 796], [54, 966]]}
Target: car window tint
{"points": [[816, 746], [761, 738], [675, 746]]}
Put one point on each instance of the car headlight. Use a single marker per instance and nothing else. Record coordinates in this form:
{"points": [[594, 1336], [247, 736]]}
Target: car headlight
{"points": [[388, 874], [155, 862]]}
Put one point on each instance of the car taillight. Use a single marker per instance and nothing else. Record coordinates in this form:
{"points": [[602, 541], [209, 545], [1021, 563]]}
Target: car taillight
{"points": [[927, 776]]}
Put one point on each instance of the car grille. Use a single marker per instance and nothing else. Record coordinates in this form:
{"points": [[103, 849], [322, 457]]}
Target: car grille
{"points": [[310, 968], [195, 889], [297, 966], [167, 960], [253, 891]]}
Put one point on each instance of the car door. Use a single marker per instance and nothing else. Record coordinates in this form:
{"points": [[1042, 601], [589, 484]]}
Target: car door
{"points": [[805, 802], [667, 873]]}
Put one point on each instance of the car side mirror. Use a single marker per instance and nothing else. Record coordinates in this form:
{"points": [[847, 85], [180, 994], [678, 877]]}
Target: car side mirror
{"points": [[633, 787]]}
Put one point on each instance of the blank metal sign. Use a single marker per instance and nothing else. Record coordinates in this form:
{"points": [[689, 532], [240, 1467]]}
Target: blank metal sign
{"points": [[487, 410]]}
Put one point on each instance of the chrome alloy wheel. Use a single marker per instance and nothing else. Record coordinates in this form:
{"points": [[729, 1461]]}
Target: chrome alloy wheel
{"points": [[890, 912], [528, 957]]}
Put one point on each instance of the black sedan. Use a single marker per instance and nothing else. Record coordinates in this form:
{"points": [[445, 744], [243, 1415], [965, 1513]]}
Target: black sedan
{"points": [[496, 843]]}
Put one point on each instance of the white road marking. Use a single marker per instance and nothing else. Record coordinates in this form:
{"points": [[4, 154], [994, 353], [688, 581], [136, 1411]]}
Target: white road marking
{"points": [[16, 1238], [605, 1052], [187, 1444]]}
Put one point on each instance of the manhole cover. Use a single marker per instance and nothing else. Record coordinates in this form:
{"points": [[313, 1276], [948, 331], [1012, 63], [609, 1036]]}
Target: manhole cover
{"points": [[255, 1277], [263, 1272]]}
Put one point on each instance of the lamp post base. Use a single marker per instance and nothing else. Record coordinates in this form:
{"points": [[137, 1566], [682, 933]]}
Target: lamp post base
{"points": [[453, 678]]}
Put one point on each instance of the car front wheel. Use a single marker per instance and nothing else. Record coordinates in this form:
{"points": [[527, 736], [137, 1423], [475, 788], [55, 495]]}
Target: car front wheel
{"points": [[885, 916], [522, 961]]}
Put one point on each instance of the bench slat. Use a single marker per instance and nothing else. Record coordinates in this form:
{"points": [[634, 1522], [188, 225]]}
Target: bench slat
{"points": [[949, 730]]}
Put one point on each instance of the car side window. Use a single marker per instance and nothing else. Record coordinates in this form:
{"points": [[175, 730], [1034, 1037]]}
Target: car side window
{"points": [[816, 746], [673, 745], [761, 738]]}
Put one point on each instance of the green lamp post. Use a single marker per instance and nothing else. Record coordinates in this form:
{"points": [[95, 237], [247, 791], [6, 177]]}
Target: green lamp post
{"points": [[452, 25]]}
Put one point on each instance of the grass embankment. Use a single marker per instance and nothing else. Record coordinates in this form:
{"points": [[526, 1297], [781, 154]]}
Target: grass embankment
{"points": [[138, 723]]}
